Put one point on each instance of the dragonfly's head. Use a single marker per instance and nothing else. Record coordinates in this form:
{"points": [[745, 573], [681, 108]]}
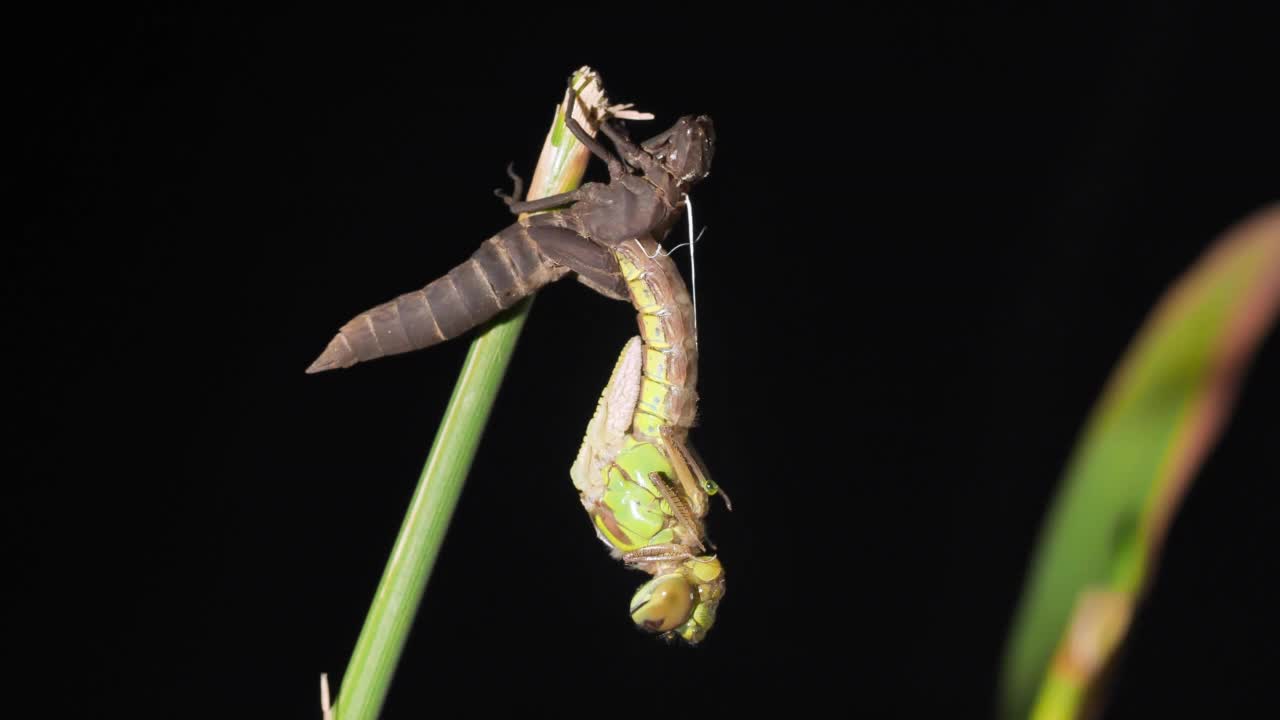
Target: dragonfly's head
{"points": [[685, 150], [681, 603]]}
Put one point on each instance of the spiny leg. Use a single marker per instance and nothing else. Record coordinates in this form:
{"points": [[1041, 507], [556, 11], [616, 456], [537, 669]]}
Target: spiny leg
{"points": [[631, 153], [546, 203], [660, 138], [596, 267], [689, 480], [679, 508], [517, 206], [517, 184], [657, 553], [689, 454], [616, 168]]}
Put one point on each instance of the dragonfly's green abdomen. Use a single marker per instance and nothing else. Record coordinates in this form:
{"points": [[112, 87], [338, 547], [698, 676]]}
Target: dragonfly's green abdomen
{"points": [[668, 400]]}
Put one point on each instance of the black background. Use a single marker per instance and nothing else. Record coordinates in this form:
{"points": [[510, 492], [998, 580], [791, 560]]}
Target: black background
{"points": [[930, 236]]}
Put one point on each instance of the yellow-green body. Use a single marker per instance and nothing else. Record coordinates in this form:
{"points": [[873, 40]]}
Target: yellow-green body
{"points": [[632, 513], [644, 489]]}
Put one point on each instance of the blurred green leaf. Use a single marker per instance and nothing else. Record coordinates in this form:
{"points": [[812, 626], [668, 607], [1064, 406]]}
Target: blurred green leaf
{"points": [[1159, 416]]}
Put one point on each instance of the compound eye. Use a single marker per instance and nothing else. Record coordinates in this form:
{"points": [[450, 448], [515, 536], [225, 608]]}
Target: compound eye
{"points": [[663, 604], [710, 487]]}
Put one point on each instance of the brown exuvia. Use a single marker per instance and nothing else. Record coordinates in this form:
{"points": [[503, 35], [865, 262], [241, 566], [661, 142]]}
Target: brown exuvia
{"points": [[643, 199]]}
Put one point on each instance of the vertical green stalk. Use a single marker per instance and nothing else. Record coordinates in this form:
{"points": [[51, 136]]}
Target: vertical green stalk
{"points": [[386, 627]]}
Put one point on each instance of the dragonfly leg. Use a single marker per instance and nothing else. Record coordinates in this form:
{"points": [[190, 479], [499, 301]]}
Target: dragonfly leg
{"points": [[547, 203], [616, 168], [631, 153], [517, 184], [660, 138], [693, 461], [679, 508], [657, 553], [596, 267], [518, 206]]}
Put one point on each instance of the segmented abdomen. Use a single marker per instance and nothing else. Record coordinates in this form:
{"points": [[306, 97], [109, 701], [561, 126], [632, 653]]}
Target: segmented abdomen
{"points": [[668, 395], [506, 268]]}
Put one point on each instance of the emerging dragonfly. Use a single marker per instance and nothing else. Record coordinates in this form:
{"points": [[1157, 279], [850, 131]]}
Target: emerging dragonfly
{"points": [[643, 486], [640, 481]]}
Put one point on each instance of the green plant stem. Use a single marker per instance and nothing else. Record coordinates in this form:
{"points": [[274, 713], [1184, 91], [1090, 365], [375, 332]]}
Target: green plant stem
{"points": [[404, 581]]}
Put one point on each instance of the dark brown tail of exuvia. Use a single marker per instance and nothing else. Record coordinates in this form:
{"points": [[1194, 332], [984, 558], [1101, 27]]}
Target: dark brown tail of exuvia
{"points": [[506, 268]]}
